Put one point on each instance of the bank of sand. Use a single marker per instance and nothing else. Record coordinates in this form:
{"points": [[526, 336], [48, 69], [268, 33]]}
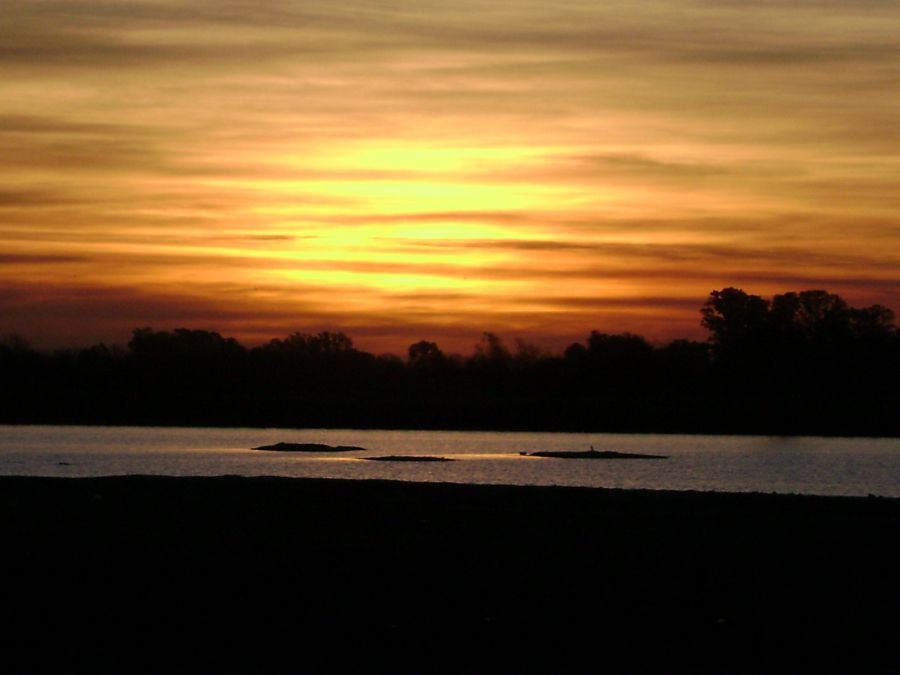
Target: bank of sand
{"points": [[154, 574]]}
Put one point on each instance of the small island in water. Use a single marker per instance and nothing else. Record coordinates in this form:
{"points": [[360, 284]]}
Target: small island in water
{"points": [[307, 447], [593, 454], [408, 458]]}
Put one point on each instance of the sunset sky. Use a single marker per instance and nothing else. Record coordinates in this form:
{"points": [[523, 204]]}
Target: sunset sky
{"points": [[414, 169]]}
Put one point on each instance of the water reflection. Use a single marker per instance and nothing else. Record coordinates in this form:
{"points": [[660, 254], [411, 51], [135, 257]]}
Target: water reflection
{"points": [[837, 466]]}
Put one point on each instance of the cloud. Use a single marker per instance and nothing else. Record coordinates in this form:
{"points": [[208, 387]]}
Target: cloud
{"points": [[167, 154], [30, 197], [38, 259], [138, 33], [670, 252]]}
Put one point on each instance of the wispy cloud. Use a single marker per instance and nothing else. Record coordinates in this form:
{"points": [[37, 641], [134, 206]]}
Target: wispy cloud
{"points": [[435, 166]]}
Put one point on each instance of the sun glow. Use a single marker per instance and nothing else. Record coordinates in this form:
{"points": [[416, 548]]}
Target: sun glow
{"points": [[400, 169]]}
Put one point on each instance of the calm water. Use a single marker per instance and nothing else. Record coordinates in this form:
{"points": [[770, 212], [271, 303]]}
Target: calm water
{"points": [[826, 466]]}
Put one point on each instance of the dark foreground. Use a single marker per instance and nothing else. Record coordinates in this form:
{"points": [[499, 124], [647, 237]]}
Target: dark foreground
{"points": [[237, 575]]}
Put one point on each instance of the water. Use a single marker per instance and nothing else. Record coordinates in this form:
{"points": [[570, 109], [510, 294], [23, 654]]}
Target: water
{"points": [[808, 465]]}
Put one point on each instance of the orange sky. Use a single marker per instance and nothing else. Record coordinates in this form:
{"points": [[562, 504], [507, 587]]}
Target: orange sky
{"points": [[419, 169]]}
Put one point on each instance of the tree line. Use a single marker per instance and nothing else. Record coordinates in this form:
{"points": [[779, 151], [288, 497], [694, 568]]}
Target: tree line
{"points": [[802, 362]]}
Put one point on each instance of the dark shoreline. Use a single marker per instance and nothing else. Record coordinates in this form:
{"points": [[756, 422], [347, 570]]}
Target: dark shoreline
{"points": [[252, 574]]}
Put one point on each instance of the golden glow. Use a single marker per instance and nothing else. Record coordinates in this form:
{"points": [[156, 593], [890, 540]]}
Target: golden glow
{"points": [[376, 155], [431, 171]]}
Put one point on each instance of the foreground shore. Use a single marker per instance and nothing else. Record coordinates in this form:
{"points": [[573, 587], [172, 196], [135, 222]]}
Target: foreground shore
{"points": [[154, 574]]}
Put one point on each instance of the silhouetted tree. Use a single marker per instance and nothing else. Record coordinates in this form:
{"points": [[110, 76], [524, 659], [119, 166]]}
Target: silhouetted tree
{"points": [[874, 323], [492, 349], [619, 361], [575, 353], [182, 345], [734, 317], [528, 354], [804, 362], [305, 345], [13, 342], [683, 363], [424, 353]]}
